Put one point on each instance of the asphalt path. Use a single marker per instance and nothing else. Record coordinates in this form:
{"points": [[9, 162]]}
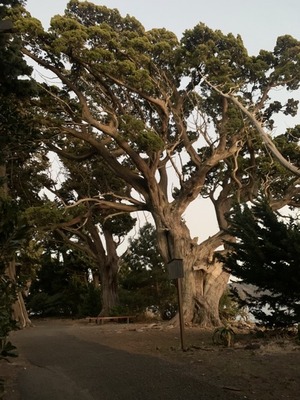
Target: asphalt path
{"points": [[61, 366]]}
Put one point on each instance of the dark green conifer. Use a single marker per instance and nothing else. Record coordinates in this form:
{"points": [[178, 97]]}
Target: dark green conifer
{"points": [[266, 254]]}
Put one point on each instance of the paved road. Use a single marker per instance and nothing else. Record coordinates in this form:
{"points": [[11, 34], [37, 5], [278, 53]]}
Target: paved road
{"points": [[64, 367]]}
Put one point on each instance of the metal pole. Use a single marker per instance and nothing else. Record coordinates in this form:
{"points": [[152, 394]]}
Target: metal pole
{"points": [[180, 309], [175, 269]]}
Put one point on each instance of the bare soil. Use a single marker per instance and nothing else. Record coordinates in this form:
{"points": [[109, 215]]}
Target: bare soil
{"points": [[259, 368]]}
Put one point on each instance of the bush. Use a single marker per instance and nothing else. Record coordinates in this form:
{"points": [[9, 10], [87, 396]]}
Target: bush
{"points": [[90, 305], [230, 309]]}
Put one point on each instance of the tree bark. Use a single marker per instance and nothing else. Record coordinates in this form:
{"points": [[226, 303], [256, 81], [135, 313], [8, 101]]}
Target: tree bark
{"points": [[109, 289], [210, 288], [18, 308], [108, 266], [109, 276], [3, 185], [203, 285], [204, 280]]}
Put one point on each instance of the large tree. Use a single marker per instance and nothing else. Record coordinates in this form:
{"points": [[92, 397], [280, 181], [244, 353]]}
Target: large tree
{"points": [[174, 120], [18, 171], [101, 229], [78, 221]]}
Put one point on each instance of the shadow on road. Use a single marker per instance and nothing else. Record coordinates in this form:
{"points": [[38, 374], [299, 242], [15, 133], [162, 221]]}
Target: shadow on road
{"points": [[62, 366]]}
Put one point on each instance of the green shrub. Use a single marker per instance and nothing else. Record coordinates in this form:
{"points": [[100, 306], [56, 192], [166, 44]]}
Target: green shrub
{"points": [[230, 309], [90, 304], [224, 335]]}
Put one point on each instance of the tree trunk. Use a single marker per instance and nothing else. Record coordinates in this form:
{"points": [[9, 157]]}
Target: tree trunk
{"points": [[204, 280], [109, 275], [203, 287], [109, 289], [3, 182], [19, 310], [210, 286]]}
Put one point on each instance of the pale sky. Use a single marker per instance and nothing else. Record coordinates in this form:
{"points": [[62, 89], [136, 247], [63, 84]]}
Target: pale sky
{"points": [[259, 22]]}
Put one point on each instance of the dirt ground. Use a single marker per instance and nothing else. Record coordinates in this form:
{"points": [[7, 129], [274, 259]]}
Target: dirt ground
{"points": [[259, 368]]}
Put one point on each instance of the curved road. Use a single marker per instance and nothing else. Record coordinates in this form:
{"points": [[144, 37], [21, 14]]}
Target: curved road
{"points": [[61, 366]]}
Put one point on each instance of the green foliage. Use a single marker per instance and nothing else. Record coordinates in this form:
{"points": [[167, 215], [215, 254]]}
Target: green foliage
{"points": [[224, 335], [7, 297], [230, 309], [46, 216], [144, 139], [266, 255], [143, 279], [13, 230], [14, 89], [7, 349], [90, 304], [119, 225], [223, 57], [143, 104], [12, 61], [121, 309], [132, 79], [62, 288], [7, 324], [73, 301]]}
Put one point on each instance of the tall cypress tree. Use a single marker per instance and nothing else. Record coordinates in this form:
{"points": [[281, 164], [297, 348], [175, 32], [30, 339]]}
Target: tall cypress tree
{"points": [[266, 254], [17, 145]]}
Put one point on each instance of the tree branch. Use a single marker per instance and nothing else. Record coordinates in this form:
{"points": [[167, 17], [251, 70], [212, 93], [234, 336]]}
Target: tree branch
{"points": [[265, 137], [107, 129], [109, 205], [70, 156]]}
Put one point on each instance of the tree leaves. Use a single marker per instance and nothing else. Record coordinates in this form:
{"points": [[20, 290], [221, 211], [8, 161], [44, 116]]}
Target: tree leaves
{"points": [[266, 255], [162, 113]]}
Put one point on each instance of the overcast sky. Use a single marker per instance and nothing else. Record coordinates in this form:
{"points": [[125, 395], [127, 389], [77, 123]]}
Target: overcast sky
{"points": [[259, 22]]}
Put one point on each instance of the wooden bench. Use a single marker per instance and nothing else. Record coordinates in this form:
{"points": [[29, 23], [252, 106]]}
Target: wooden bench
{"points": [[101, 320]]}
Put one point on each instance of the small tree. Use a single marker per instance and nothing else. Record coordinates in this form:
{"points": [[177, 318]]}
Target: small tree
{"points": [[143, 277], [266, 254], [60, 285]]}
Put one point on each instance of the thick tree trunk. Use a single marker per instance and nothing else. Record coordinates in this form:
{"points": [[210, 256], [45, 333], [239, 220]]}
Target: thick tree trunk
{"points": [[109, 276], [204, 281], [109, 289], [210, 286]]}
